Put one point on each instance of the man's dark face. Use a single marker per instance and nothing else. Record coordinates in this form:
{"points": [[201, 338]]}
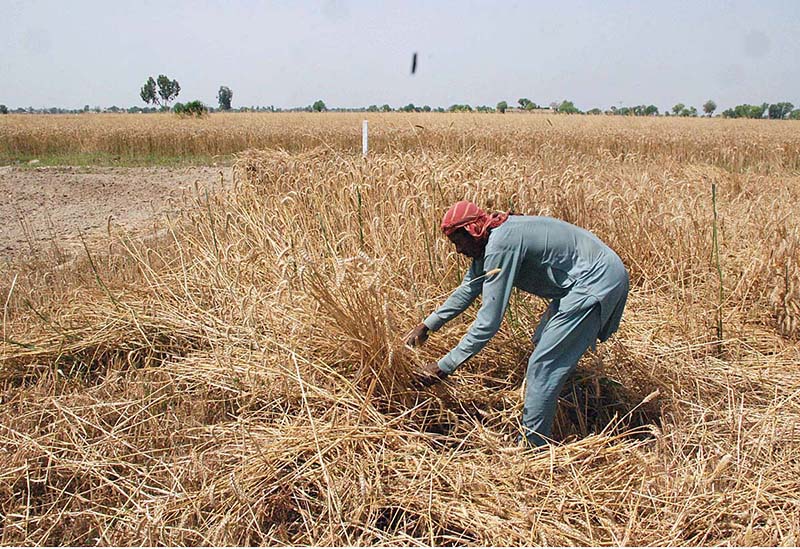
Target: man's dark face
{"points": [[467, 245]]}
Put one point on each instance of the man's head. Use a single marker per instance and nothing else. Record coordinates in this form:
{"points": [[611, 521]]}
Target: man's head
{"points": [[468, 227], [467, 244]]}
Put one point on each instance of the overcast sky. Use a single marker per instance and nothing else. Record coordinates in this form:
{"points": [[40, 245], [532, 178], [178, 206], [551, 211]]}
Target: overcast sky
{"points": [[357, 52]]}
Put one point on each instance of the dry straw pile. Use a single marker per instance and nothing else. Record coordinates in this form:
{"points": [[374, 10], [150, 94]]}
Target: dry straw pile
{"points": [[242, 379]]}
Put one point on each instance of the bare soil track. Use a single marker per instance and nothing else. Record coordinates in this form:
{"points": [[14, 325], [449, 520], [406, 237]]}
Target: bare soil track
{"points": [[47, 208]]}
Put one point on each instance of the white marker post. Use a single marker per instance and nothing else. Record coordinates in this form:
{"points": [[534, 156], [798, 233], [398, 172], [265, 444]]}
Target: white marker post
{"points": [[364, 139]]}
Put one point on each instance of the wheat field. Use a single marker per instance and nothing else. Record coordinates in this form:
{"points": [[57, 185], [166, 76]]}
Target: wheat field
{"points": [[733, 145], [241, 379]]}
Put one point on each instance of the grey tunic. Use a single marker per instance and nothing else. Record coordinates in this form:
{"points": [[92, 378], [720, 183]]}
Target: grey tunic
{"points": [[543, 256]]}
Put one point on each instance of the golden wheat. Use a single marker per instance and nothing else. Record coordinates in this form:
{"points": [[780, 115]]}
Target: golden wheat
{"points": [[734, 145], [243, 379]]}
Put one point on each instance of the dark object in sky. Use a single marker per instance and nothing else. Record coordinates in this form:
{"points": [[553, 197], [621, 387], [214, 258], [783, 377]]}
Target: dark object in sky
{"points": [[414, 63]]}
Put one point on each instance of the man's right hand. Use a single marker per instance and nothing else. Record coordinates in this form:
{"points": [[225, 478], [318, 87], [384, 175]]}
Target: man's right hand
{"points": [[418, 335]]}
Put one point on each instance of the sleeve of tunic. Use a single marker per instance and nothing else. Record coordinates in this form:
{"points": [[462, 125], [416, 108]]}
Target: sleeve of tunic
{"points": [[496, 293], [461, 298]]}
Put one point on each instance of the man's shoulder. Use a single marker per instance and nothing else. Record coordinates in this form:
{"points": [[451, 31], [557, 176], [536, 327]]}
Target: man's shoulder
{"points": [[534, 222], [520, 232], [516, 224], [504, 237]]}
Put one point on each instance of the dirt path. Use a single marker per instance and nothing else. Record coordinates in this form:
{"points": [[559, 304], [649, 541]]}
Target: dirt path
{"points": [[43, 206]]}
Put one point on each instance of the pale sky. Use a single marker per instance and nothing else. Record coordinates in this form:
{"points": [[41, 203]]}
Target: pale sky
{"points": [[353, 53]]}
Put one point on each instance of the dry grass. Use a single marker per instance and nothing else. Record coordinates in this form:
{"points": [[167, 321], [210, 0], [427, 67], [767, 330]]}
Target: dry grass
{"points": [[243, 379]]}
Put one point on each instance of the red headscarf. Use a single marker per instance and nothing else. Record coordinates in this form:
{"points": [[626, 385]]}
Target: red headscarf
{"points": [[472, 218]]}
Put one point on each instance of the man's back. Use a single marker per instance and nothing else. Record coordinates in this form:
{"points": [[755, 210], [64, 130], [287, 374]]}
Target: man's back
{"points": [[557, 260]]}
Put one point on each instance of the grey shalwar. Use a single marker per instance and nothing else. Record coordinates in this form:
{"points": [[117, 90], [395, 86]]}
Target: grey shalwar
{"points": [[585, 280]]}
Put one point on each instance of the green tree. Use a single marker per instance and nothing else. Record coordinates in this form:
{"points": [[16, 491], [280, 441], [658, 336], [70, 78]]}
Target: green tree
{"points": [[3, 109], [594, 111], [386, 108], [527, 104], [224, 96], [319, 106], [426, 108], [167, 89], [795, 114], [166, 92], [192, 108], [678, 109], [651, 110], [746, 111], [709, 107], [502, 106], [372, 108], [568, 107], [779, 111], [148, 92]]}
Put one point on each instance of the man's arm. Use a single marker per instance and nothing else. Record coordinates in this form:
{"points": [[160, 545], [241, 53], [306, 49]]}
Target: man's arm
{"points": [[496, 293], [461, 298]]}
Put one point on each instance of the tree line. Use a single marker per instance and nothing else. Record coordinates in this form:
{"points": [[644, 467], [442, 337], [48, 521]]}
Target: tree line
{"points": [[159, 92]]}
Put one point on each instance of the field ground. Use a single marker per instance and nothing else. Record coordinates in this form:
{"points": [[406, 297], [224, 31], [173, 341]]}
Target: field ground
{"points": [[236, 374], [45, 209]]}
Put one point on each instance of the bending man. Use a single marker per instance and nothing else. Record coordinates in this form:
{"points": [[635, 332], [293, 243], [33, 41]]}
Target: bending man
{"points": [[584, 278]]}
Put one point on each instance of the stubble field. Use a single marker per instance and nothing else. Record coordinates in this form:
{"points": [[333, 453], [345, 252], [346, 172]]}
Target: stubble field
{"points": [[241, 378]]}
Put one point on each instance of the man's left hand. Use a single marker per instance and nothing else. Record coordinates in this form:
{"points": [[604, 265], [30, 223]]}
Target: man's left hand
{"points": [[431, 374]]}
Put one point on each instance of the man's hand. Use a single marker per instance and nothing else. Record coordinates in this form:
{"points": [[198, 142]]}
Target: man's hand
{"points": [[431, 374], [418, 335]]}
